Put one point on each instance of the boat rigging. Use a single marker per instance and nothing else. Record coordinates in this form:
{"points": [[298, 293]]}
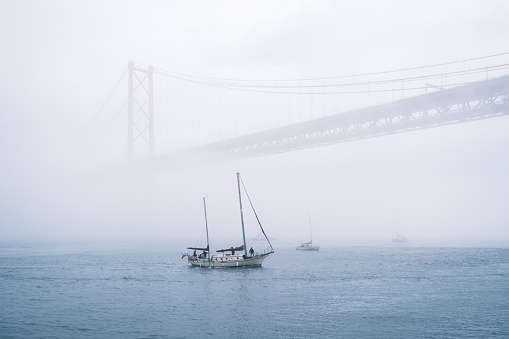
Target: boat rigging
{"points": [[231, 259]]}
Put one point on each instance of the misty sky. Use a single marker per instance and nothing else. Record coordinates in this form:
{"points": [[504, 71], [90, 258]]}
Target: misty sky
{"points": [[59, 60]]}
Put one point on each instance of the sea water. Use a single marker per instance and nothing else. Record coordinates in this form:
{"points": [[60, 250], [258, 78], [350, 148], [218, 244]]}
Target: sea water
{"points": [[392, 291]]}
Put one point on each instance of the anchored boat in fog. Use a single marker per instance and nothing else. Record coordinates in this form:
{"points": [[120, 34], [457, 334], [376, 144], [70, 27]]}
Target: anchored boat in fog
{"points": [[308, 246], [399, 237]]}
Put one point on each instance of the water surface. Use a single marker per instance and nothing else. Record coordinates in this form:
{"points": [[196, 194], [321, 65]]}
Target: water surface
{"points": [[390, 291]]}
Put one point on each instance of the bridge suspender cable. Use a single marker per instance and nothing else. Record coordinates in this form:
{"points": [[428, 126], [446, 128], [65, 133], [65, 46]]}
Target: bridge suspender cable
{"points": [[99, 111], [170, 73], [270, 88]]}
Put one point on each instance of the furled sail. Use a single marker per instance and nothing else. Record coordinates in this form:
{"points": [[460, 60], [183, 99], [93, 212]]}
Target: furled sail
{"points": [[198, 248], [240, 248]]}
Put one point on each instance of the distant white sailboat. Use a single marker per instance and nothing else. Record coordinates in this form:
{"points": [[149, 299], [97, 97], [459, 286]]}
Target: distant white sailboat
{"points": [[308, 246], [233, 259], [399, 238]]}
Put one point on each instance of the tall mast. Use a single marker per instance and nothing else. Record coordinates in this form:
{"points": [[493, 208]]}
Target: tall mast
{"points": [[206, 228], [310, 230], [241, 215]]}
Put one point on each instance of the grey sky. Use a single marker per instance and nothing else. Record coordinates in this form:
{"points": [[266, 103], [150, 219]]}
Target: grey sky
{"points": [[59, 59]]}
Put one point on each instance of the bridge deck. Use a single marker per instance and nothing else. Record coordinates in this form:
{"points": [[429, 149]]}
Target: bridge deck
{"points": [[478, 100]]}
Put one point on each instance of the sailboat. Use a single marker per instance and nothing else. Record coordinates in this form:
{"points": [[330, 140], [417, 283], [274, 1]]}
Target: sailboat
{"points": [[235, 258], [399, 238], [308, 246], [202, 259]]}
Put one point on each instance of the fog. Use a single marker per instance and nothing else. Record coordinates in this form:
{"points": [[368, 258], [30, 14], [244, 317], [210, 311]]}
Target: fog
{"points": [[447, 185]]}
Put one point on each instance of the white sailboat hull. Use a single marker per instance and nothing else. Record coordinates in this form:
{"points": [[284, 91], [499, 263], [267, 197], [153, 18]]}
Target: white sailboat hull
{"points": [[230, 261], [399, 238], [308, 248]]}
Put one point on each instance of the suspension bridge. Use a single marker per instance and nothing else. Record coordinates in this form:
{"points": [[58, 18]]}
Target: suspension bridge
{"points": [[168, 118]]}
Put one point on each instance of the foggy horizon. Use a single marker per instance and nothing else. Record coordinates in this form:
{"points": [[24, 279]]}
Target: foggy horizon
{"points": [[446, 185]]}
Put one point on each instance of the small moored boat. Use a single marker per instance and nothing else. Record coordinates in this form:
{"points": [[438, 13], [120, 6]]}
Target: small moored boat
{"points": [[308, 246], [399, 238]]}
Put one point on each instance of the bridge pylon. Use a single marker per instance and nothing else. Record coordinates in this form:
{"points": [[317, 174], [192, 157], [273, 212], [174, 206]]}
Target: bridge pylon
{"points": [[140, 110]]}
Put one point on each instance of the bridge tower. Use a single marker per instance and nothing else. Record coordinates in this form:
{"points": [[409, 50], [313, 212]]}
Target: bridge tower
{"points": [[140, 110]]}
